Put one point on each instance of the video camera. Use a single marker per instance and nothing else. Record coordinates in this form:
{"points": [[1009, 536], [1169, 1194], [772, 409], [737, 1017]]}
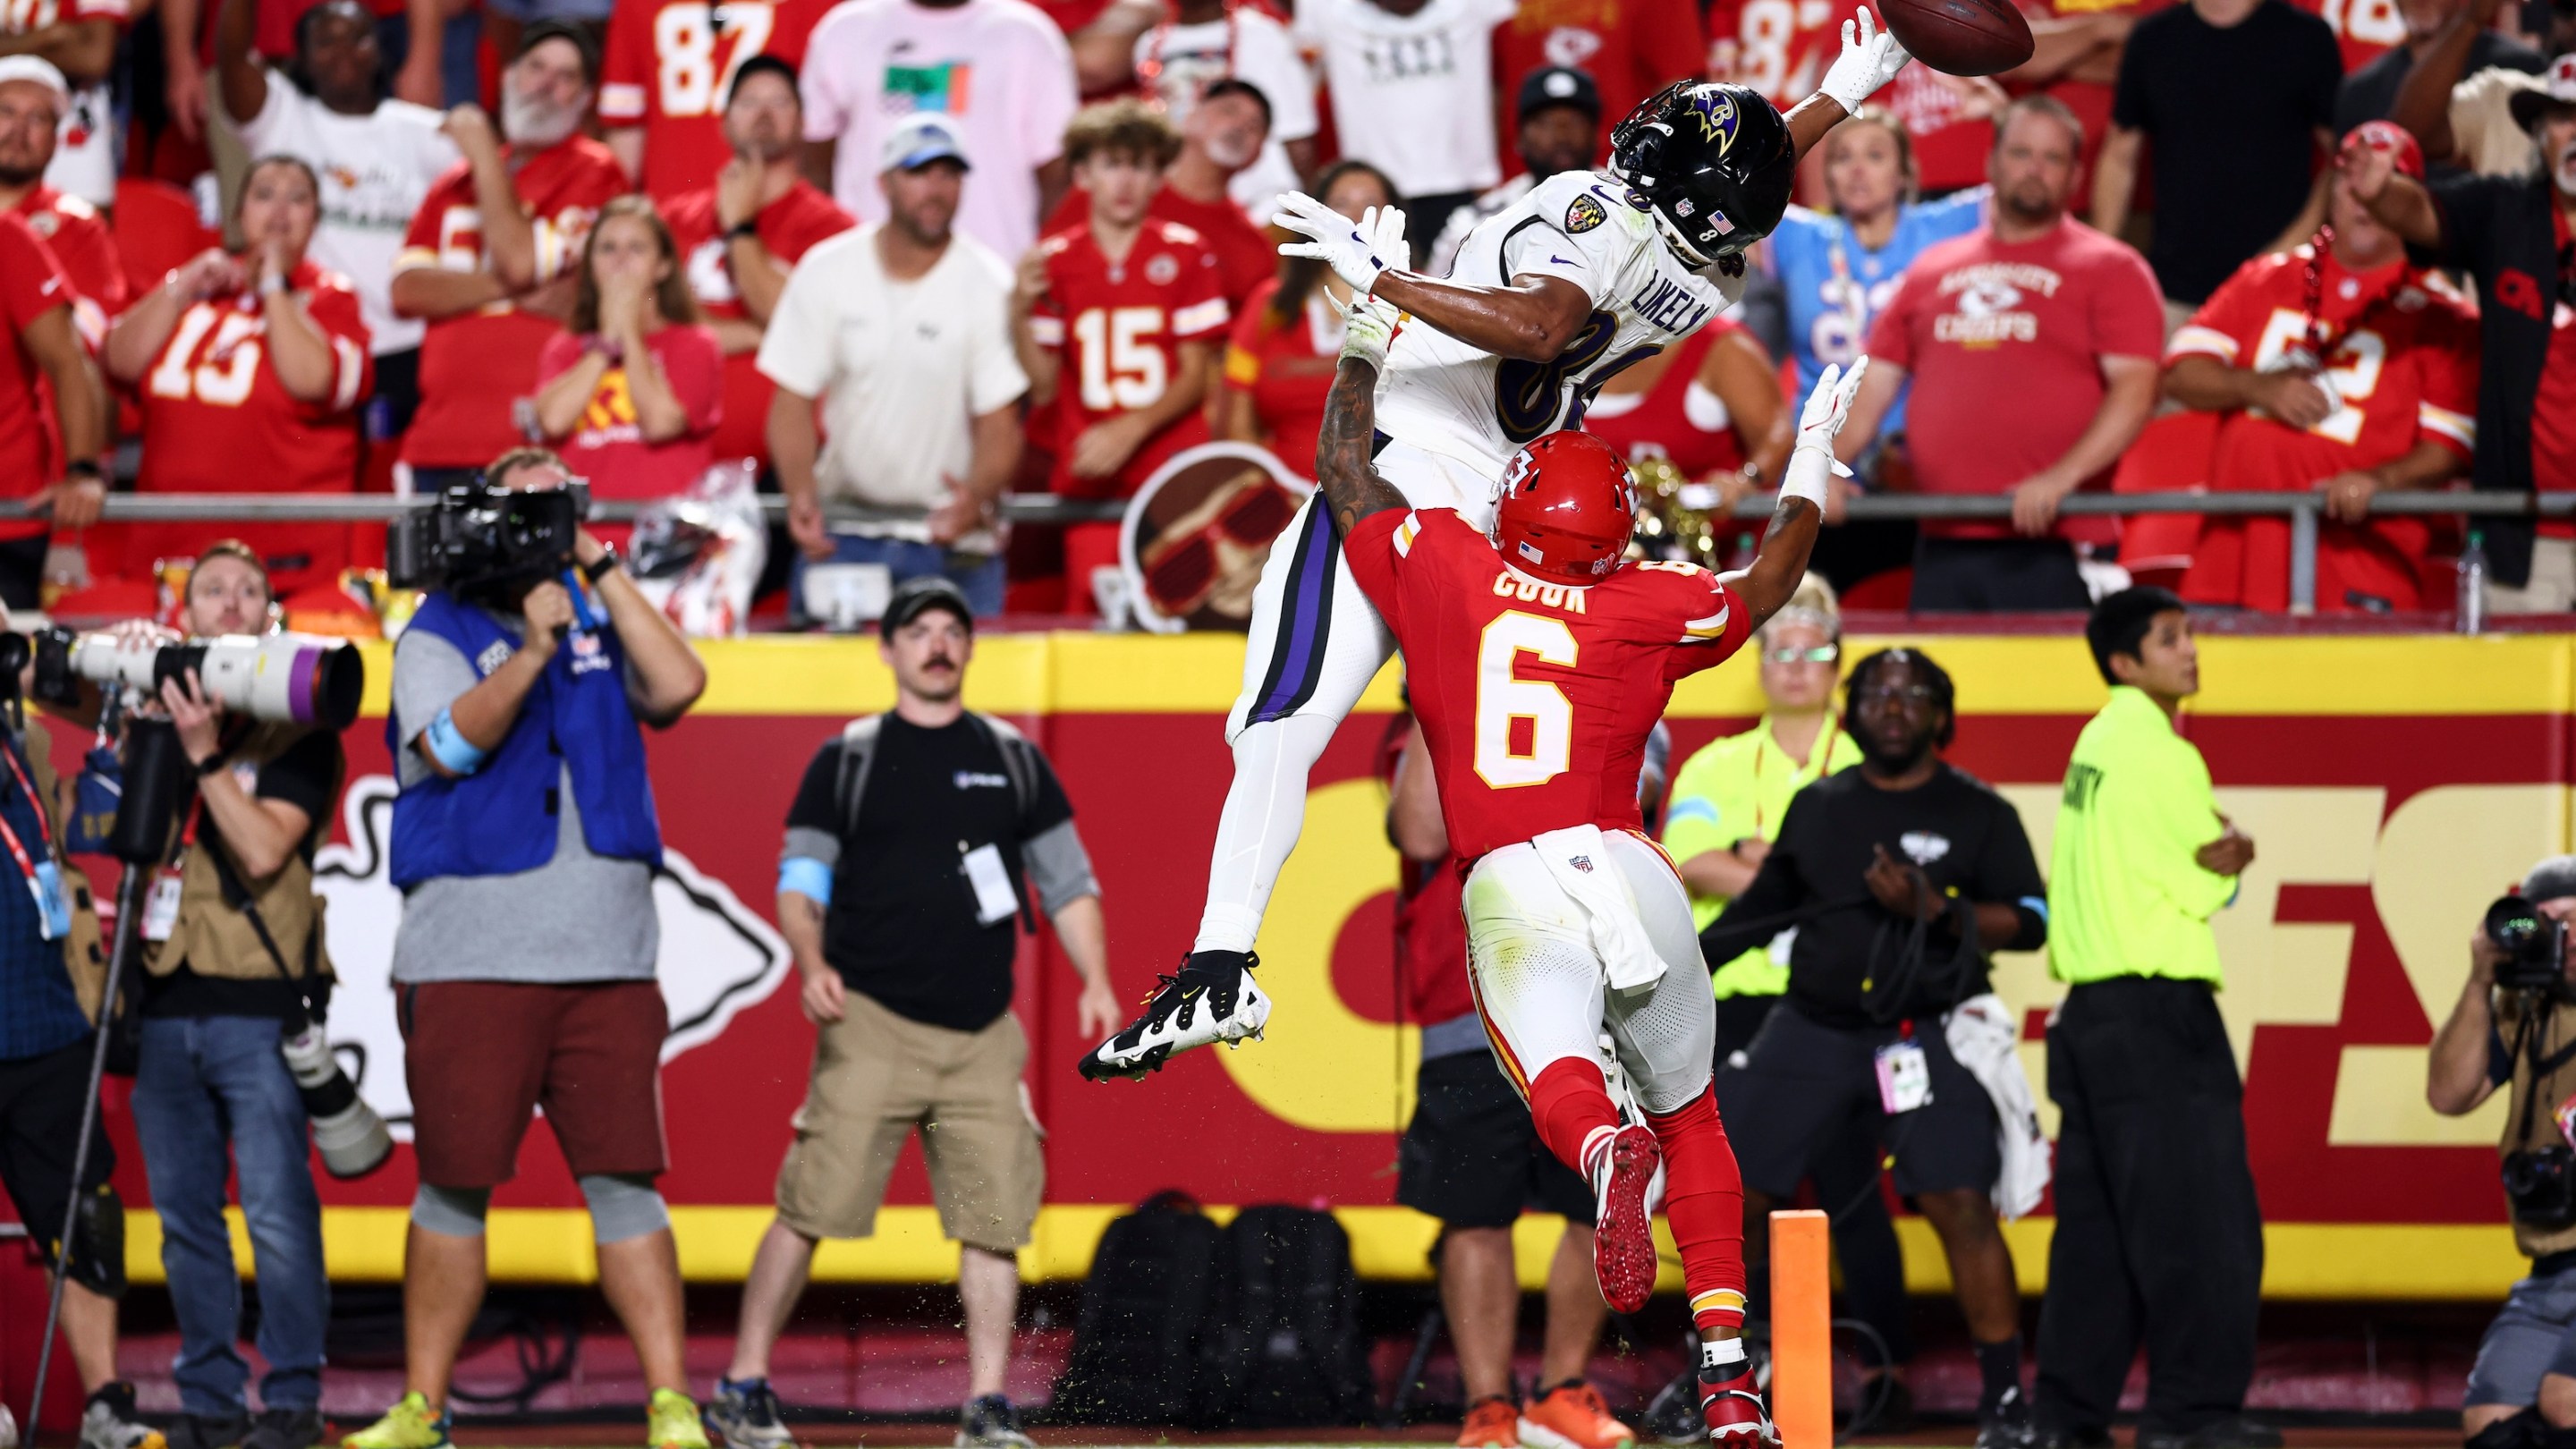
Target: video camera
{"points": [[289, 678], [2534, 946], [477, 536]]}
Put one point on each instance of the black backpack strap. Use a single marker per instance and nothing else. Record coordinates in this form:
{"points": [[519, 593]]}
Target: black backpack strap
{"points": [[1019, 759]]}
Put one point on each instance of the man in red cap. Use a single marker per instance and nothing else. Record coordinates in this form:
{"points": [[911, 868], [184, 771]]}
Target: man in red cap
{"points": [[2344, 368]]}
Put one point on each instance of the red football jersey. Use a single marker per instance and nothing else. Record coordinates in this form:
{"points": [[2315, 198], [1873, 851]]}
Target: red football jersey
{"points": [[1630, 48], [87, 249], [670, 64], [32, 283], [607, 445], [1779, 47], [475, 368], [215, 415], [1246, 257], [788, 227], [2404, 360], [1536, 698], [1119, 327]]}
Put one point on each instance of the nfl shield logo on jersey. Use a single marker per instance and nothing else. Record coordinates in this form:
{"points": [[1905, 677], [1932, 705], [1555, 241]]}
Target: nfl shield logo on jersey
{"points": [[1584, 215], [1582, 863]]}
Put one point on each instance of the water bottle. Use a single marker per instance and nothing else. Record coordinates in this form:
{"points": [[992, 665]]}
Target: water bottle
{"points": [[2469, 610]]}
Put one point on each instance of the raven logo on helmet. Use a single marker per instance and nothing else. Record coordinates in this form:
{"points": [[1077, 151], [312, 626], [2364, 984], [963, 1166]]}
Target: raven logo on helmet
{"points": [[1717, 116]]}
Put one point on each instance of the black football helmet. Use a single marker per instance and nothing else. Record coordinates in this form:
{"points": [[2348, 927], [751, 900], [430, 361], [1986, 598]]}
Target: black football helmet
{"points": [[1713, 162]]}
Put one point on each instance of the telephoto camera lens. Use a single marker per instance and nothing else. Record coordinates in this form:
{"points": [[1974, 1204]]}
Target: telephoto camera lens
{"points": [[353, 1139], [289, 678]]}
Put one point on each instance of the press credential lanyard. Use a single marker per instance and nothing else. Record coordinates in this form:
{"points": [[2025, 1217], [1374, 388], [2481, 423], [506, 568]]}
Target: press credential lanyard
{"points": [[45, 879]]}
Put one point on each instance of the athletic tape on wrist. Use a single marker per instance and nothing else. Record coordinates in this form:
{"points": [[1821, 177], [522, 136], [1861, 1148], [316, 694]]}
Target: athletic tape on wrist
{"points": [[449, 746], [1809, 467]]}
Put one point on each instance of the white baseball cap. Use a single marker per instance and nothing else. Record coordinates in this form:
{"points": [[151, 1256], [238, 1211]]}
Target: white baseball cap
{"points": [[39, 70], [921, 138]]}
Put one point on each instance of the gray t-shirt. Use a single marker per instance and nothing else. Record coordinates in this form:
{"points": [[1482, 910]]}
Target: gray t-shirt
{"points": [[578, 917]]}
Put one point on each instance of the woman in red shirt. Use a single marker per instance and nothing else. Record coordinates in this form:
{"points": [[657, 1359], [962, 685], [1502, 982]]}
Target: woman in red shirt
{"points": [[632, 388], [249, 370], [1279, 363]]}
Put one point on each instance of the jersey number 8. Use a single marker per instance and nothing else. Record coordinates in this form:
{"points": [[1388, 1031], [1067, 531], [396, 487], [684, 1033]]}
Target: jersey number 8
{"points": [[1529, 396]]}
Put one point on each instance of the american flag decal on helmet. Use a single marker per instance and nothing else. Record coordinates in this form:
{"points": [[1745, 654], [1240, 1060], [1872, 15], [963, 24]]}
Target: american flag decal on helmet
{"points": [[1530, 552]]}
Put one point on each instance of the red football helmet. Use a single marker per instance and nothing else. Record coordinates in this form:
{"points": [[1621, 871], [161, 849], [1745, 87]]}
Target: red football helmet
{"points": [[1566, 509]]}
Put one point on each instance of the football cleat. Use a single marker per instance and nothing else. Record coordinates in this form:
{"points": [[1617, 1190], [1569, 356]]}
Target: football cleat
{"points": [[1213, 999], [1624, 1163], [1732, 1409], [1572, 1416]]}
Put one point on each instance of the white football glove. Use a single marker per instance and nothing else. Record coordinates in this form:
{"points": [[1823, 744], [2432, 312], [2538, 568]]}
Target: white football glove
{"points": [[1870, 59], [1828, 407], [1368, 330], [1356, 251]]}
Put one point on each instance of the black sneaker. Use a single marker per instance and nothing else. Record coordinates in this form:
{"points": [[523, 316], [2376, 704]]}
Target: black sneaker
{"points": [[208, 1431], [744, 1412], [2006, 1424], [991, 1423], [1213, 999], [108, 1421], [2233, 1432], [285, 1429]]}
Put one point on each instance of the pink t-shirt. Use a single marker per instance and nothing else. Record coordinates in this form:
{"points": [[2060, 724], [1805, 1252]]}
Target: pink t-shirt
{"points": [[607, 446], [999, 67], [2004, 343]]}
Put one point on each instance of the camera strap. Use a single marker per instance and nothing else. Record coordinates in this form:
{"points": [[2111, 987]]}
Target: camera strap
{"points": [[237, 896], [2531, 1045], [44, 877]]}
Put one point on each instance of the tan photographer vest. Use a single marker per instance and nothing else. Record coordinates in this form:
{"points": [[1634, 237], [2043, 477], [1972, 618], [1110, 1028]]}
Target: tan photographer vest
{"points": [[214, 938], [85, 947], [2557, 1034]]}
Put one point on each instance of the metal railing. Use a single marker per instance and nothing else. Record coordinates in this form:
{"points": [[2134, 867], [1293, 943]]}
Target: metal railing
{"points": [[2304, 510]]}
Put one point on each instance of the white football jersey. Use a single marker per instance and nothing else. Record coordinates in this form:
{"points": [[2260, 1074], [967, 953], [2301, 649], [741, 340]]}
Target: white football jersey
{"points": [[1446, 397]]}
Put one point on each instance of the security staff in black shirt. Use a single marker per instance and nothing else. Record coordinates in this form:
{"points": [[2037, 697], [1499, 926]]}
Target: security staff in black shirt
{"points": [[1900, 874]]}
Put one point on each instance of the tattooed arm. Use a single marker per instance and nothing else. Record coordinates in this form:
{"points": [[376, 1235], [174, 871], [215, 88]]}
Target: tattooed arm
{"points": [[1352, 486]]}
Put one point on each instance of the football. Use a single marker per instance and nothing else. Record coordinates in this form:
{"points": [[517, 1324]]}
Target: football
{"points": [[1962, 37]]}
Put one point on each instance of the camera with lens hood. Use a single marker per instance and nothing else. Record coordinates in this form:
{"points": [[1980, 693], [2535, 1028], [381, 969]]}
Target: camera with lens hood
{"points": [[2534, 946], [478, 538], [284, 678], [354, 1141]]}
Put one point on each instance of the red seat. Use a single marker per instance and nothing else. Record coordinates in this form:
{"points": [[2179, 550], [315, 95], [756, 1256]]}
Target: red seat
{"points": [[156, 227], [1890, 589], [2172, 455]]}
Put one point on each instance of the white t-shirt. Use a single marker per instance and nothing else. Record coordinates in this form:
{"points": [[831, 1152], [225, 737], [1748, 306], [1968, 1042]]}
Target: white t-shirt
{"points": [[999, 66], [1248, 46], [903, 368], [375, 171], [1413, 95]]}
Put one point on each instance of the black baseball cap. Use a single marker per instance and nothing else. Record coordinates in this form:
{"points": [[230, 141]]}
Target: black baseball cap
{"points": [[1557, 85], [915, 595]]}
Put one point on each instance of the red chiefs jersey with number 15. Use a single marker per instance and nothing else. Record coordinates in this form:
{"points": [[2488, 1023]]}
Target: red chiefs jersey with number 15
{"points": [[1120, 326], [1536, 699]]}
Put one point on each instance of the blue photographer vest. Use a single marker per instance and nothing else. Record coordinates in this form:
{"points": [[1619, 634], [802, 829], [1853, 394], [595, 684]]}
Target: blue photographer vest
{"points": [[497, 821]]}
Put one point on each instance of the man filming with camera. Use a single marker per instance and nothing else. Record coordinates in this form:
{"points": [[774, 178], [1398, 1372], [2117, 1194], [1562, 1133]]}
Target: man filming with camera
{"points": [[236, 977], [525, 843], [2515, 1029]]}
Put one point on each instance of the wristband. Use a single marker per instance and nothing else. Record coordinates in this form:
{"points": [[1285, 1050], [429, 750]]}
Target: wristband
{"points": [[212, 764], [449, 746], [743, 231], [1805, 476], [270, 286], [602, 566], [85, 468], [805, 876]]}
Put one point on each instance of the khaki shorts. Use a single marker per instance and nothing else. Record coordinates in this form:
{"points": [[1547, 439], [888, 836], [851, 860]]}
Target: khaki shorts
{"points": [[876, 1077]]}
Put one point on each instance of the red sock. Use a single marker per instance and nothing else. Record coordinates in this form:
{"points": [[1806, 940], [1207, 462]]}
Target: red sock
{"points": [[1568, 1102], [1704, 1204]]}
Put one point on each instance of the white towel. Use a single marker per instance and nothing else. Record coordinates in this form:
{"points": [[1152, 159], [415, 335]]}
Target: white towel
{"points": [[1579, 860], [1984, 1036]]}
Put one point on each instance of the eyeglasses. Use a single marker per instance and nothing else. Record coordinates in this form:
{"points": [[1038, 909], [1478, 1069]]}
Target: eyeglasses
{"points": [[1896, 694], [1820, 654]]}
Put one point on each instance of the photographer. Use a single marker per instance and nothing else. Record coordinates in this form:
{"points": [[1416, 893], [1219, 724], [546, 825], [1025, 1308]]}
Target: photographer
{"points": [[233, 959], [2515, 1028], [525, 843]]}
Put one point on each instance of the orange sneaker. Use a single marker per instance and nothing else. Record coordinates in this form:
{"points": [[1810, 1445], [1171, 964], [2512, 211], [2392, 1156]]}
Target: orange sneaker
{"points": [[1492, 1423], [1572, 1416]]}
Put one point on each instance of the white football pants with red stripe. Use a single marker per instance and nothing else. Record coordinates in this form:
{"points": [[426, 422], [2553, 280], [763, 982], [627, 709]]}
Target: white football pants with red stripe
{"points": [[1546, 1001]]}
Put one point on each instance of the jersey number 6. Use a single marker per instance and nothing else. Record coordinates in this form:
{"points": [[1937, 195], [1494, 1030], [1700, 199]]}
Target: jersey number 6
{"points": [[1503, 700]]}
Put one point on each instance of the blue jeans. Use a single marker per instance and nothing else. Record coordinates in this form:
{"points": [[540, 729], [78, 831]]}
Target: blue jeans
{"points": [[204, 1080], [979, 580]]}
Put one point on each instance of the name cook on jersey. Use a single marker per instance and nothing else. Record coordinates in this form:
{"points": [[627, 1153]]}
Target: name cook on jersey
{"points": [[1987, 294]]}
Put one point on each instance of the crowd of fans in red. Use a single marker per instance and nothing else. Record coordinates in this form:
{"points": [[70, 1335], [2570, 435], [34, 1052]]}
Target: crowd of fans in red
{"points": [[323, 246]]}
